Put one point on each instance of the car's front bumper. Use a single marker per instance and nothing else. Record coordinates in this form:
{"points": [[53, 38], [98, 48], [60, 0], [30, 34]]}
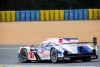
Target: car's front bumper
{"points": [[79, 57]]}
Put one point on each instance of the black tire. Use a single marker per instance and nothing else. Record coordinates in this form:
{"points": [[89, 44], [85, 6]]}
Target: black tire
{"points": [[86, 59], [24, 55], [54, 55], [93, 52]]}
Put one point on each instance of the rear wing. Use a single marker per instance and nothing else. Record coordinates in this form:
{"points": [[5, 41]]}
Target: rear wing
{"points": [[94, 42]]}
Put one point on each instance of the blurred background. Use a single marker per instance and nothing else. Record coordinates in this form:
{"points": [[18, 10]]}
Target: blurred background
{"points": [[48, 4]]}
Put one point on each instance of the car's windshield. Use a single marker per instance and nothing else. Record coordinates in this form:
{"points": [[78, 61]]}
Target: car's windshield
{"points": [[44, 45]]}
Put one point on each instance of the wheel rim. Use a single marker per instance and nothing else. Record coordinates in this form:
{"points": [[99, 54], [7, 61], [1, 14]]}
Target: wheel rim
{"points": [[23, 56], [53, 56]]}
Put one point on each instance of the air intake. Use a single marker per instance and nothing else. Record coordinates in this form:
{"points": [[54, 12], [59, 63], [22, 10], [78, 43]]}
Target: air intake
{"points": [[65, 53], [81, 49]]}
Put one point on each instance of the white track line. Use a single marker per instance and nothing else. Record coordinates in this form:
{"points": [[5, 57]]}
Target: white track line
{"points": [[9, 48]]}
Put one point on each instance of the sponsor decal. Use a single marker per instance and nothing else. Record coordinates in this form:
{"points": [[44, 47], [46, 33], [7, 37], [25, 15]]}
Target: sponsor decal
{"points": [[45, 53]]}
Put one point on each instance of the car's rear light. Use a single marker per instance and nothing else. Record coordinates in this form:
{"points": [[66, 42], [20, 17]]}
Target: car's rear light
{"points": [[93, 57], [67, 58]]}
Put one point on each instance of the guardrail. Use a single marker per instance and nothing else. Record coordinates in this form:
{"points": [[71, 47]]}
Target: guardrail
{"points": [[48, 15]]}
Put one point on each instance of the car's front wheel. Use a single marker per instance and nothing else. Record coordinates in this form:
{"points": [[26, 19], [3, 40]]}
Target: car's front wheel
{"points": [[54, 55]]}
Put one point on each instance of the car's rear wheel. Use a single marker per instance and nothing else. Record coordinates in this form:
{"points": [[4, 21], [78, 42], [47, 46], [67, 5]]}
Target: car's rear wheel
{"points": [[54, 55], [86, 59], [93, 52], [24, 55]]}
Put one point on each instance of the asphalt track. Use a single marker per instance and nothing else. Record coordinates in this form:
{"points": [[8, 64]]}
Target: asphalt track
{"points": [[8, 56]]}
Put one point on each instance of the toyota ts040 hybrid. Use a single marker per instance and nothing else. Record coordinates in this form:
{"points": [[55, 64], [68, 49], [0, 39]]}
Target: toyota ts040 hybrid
{"points": [[56, 49]]}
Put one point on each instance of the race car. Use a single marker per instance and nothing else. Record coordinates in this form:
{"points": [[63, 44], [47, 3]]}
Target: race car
{"points": [[59, 49]]}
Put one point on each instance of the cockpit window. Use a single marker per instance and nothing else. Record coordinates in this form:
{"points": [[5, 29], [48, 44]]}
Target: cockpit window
{"points": [[44, 45]]}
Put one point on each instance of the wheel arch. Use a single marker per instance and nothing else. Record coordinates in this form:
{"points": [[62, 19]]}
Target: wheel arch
{"points": [[59, 51], [28, 49]]}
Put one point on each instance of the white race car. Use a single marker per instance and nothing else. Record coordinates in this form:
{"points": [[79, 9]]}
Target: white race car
{"points": [[56, 49]]}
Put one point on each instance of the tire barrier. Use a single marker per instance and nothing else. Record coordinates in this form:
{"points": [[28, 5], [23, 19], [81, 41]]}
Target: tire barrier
{"points": [[28, 15], [13, 16], [61, 14], [42, 15], [37, 15], [56, 14], [76, 15], [18, 16], [95, 14], [99, 13], [90, 13], [8, 16], [71, 14], [80, 14], [85, 14], [50, 15], [32, 15], [46, 15], [23, 15], [3, 16], [66, 14]]}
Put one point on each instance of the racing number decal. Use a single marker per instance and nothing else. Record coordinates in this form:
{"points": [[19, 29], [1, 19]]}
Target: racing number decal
{"points": [[31, 54]]}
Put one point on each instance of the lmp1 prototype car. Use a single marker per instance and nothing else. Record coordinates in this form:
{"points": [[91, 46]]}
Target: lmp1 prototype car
{"points": [[57, 49]]}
